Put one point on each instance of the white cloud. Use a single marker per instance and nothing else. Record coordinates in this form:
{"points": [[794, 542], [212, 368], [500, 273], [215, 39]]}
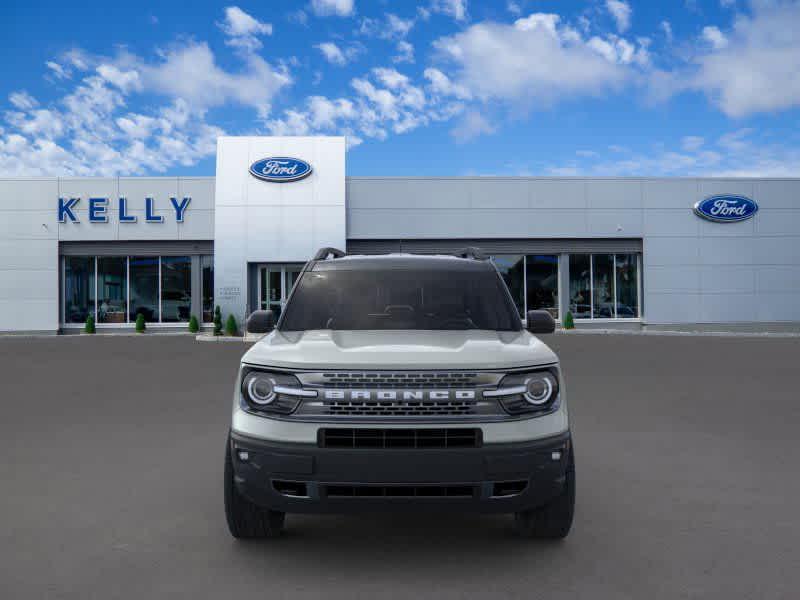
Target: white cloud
{"points": [[336, 55], [127, 80], [666, 27], [758, 70], [537, 60], [453, 8], [440, 84], [385, 101], [391, 27], [398, 27], [339, 8], [692, 143], [243, 29], [472, 124], [621, 11], [91, 130], [405, 53], [715, 37], [514, 8], [191, 72], [735, 154], [22, 100], [57, 70]]}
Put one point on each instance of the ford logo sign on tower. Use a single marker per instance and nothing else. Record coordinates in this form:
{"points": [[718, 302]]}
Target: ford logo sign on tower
{"points": [[726, 209], [280, 169]]}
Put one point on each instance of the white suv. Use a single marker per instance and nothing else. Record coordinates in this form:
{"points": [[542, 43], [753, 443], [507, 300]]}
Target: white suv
{"points": [[399, 381]]}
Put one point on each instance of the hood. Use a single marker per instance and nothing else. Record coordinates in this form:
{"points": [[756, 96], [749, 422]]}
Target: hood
{"points": [[415, 349]]}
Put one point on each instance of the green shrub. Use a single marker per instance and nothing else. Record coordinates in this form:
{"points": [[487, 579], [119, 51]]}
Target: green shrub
{"points": [[194, 327], [217, 321], [89, 327], [140, 324], [569, 322], [231, 328]]}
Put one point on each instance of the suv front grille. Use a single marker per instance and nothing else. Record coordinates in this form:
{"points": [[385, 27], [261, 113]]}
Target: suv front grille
{"points": [[334, 437], [388, 408], [398, 380]]}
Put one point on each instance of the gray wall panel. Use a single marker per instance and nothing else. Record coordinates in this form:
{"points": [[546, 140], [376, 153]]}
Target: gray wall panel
{"points": [[137, 248]]}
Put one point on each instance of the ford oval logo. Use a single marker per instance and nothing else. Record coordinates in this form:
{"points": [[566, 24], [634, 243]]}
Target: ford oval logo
{"points": [[280, 169], [726, 209]]}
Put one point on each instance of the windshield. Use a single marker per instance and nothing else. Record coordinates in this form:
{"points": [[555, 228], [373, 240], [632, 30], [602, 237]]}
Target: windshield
{"points": [[400, 299]]}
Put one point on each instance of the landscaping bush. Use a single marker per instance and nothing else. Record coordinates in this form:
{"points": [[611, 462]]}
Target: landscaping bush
{"points": [[140, 324], [231, 328], [217, 321], [89, 327], [569, 322], [194, 327]]}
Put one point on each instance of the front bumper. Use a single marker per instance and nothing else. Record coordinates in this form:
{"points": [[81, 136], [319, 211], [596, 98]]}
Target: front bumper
{"points": [[304, 478]]}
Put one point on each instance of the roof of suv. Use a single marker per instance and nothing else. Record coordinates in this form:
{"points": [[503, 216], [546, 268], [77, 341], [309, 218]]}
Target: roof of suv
{"points": [[360, 262]]}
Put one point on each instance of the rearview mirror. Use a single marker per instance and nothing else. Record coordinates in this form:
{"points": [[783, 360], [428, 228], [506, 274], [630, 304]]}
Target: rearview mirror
{"points": [[261, 321], [541, 321]]}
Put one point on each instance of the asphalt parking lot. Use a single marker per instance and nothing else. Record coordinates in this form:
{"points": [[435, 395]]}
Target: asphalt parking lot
{"points": [[687, 463]]}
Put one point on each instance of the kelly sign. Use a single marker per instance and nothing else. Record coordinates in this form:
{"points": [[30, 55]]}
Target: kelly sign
{"points": [[98, 210]]}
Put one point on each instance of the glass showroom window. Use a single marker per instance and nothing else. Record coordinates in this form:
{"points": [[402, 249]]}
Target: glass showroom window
{"points": [[78, 288], [604, 286], [580, 285], [112, 289], [541, 282], [207, 270], [627, 278], [176, 289], [144, 288], [512, 269]]}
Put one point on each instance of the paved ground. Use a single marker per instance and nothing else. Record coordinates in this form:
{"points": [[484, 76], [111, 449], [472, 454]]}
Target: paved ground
{"points": [[688, 485]]}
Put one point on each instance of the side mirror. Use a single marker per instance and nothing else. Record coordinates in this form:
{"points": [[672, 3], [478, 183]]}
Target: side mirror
{"points": [[261, 321], [541, 321]]}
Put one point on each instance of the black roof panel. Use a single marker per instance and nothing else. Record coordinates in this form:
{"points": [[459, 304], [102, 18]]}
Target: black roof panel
{"points": [[401, 261]]}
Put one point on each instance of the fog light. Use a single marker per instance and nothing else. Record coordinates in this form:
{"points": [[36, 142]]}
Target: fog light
{"points": [[243, 455], [556, 455]]}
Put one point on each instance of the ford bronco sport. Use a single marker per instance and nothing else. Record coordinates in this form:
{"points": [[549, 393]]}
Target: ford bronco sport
{"points": [[399, 381]]}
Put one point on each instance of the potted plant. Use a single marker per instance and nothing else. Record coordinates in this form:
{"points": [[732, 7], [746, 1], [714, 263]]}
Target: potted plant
{"points": [[217, 321], [140, 324], [194, 327], [569, 322], [89, 327], [231, 328]]}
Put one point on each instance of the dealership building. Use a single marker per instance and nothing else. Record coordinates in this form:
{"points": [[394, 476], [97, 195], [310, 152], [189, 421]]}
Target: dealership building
{"points": [[614, 252]]}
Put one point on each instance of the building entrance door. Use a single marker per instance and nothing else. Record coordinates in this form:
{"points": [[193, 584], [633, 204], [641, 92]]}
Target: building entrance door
{"points": [[274, 284]]}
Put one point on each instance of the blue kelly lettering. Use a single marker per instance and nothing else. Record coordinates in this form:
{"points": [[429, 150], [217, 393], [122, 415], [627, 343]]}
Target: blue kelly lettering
{"points": [[180, 208], [65, 210], [124, 217], [149, 213], [97, 210]]}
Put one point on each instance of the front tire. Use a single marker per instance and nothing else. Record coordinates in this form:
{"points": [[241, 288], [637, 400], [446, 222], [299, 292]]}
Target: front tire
{"points": [[245, 519], [553, 520]]}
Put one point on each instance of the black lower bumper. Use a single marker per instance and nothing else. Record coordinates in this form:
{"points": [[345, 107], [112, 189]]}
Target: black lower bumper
{"points": [[303, 478]]}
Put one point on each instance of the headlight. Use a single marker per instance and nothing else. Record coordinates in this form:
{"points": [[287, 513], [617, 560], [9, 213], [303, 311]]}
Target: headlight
{"points": [[535, 391], [539, 388], [266, 391], [260, 388]]}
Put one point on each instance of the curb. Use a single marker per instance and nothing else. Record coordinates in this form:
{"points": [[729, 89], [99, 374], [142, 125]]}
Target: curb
{"points": [[668, 333]]}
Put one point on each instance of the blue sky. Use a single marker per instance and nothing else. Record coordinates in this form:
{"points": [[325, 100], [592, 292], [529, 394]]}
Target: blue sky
{"points": [[436, 87]]}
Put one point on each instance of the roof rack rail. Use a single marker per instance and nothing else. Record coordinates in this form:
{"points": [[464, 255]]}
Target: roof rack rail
{"points": [[324, 253], [471, 252]]}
